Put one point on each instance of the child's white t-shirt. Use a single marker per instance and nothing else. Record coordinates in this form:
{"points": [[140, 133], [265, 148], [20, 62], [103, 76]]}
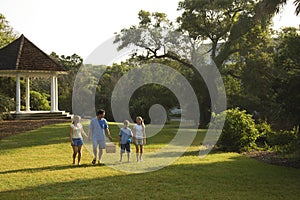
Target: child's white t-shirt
{"points": [[138, 131], [76, 130]]}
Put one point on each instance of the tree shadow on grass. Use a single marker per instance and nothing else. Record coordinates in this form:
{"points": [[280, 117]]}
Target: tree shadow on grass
{"points": [[48, 168], [233, 179]]}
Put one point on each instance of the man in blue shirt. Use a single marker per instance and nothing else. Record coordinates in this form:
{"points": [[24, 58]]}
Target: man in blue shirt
{"points": [[98, 130]]}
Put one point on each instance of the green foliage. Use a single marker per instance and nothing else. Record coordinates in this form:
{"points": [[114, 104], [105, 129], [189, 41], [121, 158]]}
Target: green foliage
{"points": [[252, 66], [66, 82], [7, 35], [297, 4], [8, 86], [263, 77], [40, 84], [296, 143], [155, 19], [211, 19], [6, 105], [6, 32], [287, 78], [260, 69], [141, 100], [106, 86], [265, 131], [246, 52], [148, 95], [39, 101], [286, 141], [239, 132]]}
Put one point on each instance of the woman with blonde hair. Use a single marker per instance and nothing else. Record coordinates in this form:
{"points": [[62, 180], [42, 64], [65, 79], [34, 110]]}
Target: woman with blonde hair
{"points": [[139, 137], [76, 132]]}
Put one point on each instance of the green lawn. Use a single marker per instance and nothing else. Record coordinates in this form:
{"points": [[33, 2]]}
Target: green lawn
{"points": [[37, 165]]}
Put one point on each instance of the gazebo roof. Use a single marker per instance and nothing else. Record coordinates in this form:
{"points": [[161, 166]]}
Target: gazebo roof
{"points": [[23, 56]]}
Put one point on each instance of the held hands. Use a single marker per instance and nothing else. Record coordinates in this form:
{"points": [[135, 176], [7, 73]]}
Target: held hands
{"points": [[86, 135]]}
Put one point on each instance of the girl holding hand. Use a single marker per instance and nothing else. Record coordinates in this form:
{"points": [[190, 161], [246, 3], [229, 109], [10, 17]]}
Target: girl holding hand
{"points": [[76, 132], [139, 138]]}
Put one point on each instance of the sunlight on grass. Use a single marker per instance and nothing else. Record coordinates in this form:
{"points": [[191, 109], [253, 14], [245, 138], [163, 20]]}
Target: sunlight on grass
{"points": [[37, 165]]}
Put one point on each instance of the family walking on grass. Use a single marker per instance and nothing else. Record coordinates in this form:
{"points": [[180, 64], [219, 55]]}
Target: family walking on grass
{"points": [[99, 130]]}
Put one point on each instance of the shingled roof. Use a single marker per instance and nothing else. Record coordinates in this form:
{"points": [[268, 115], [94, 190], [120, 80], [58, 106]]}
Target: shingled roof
{"points": [[23, 55]]}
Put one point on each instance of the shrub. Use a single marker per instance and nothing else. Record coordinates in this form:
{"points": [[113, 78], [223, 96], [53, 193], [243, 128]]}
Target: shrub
{"points": [[239, 132], [296, 143], [6, 105], [264, 130], [285, 141], [282, 137], [39, 101]]}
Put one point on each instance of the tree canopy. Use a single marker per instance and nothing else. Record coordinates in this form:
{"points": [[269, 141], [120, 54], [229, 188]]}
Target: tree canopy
{"points": [[242, 44], [7, 34], [259, 66]]}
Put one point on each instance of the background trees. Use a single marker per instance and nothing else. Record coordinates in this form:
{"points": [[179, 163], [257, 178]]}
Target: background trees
{"points": [[259, 66], [6, 32], [287, 77], [248, 53], [6, 36], [65, 82]]}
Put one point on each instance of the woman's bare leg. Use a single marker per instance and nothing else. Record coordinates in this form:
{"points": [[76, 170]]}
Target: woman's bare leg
{"points": [[79, 153], [75, 150], [141, 152], [137, 152]]}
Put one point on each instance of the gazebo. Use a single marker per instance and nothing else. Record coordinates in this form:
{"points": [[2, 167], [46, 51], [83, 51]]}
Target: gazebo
{"points": [[22, 58]]}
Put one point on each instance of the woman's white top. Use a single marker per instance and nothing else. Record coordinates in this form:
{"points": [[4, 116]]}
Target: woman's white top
{"points": [[138, 131], [76, 133]]}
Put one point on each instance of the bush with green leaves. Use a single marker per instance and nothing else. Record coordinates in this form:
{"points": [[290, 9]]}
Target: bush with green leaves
{"points": [[285, 141], [296, 143], [39, 101], [264, 130], [6, 105], [239, 132]]}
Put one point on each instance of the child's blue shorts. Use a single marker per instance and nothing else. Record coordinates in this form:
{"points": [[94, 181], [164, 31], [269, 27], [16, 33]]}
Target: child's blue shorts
{"points": [[125, 146], [77, 141]]}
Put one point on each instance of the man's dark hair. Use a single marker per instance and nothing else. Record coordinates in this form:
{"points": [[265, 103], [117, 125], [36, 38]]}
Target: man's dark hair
{"points": [[100, 112]]}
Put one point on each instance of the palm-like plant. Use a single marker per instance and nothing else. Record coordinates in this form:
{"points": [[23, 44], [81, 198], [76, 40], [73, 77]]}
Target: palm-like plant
{"points": [[297, 4]]}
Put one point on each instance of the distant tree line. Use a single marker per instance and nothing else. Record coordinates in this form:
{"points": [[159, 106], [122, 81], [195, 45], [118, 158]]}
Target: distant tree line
{"points": [[259, 66]]}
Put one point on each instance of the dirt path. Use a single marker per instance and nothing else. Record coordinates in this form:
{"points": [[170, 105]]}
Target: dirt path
{"points": [[274, 158]]}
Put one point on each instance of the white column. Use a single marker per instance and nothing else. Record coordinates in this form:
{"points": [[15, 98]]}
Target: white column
{"points": [[18, 94], [53, 96], [56, 94], [27, 94]]}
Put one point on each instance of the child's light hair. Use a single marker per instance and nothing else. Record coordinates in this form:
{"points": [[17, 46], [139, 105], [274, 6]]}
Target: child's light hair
{"points": [[126, 122], [76, 119], [142, 121]]}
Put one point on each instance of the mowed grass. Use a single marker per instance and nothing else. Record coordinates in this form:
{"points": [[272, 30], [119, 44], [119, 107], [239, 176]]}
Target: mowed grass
{"points": [[37, 165]]}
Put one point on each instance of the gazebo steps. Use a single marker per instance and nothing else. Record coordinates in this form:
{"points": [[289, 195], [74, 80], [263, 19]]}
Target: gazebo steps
{"points": [[37, 115]]}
